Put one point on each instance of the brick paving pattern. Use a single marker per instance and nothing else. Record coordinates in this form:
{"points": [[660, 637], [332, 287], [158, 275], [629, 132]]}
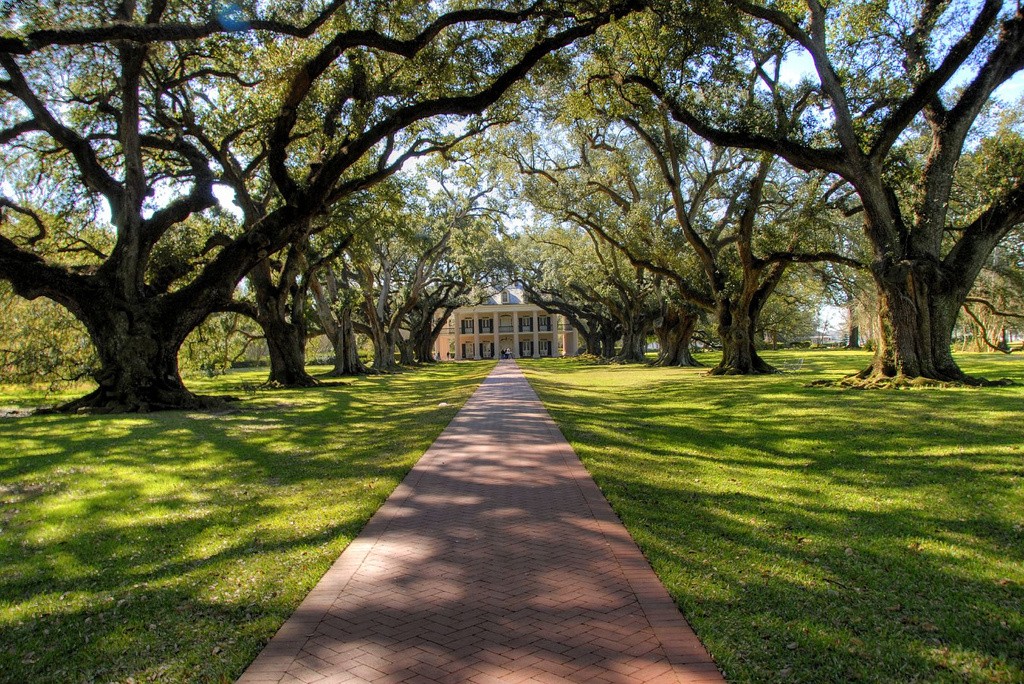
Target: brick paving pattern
{"points": [[496, 560]]}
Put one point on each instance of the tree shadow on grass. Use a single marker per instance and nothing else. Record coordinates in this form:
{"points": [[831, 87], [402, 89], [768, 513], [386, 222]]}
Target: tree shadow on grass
{"points": [[173, 545], [819, 535]]}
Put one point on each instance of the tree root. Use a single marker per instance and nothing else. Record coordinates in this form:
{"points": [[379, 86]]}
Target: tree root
{"points": [[341, 374], [297, 384], [879, 381], [732, 370], [668, 363], [625, 360], [102, 402]]}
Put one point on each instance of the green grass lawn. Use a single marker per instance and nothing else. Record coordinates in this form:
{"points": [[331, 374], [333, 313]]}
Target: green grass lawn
{"points": [[817, 534], [171, 546]]}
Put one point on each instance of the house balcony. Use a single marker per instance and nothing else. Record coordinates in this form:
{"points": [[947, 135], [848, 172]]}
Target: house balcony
{"points": [[506, 328]]}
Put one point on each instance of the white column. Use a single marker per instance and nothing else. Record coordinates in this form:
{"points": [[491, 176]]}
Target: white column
{"points": [[476, 334], [561, 334], [458, 340], [495, 324], [515, 334]]}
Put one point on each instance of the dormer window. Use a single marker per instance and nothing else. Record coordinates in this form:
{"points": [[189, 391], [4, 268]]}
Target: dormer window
{"points": [[505, 298]]}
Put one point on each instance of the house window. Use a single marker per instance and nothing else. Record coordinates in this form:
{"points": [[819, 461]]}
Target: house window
{"points": [[486, 350], [504, 298], [467, 351], [467, 326], [525, 348], [544, 323], [545, 347], [486, 325], [526, 324], [505, 325]]}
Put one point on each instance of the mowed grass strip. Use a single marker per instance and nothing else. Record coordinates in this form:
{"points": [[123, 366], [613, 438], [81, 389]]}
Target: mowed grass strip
{"points": [[170, 547], [816, 534]]}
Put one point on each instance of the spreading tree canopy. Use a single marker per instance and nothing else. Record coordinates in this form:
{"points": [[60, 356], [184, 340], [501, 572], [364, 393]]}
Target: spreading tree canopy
{"points": [[139, 110], [891, 100]]}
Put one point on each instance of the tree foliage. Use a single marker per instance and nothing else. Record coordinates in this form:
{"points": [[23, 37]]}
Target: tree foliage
{"points": [[292, 107], [887, 108], [678, 161]]}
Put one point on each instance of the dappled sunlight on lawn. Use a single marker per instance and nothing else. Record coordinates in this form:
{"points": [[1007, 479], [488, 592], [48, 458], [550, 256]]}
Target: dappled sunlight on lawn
{"points": [[171, 546], [874, 535]]}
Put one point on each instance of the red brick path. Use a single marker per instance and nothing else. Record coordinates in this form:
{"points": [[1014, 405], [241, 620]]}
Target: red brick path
{"points": [[496, 560]]}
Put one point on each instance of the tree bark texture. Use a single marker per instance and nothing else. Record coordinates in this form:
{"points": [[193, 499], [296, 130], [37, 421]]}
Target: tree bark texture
{"points": [[286, 343], [634, 338], [918, 308], [425, 334], [736, 325], [336, 320], [675, 333], [853, 339], [406, 350], [346, 349], [280, 312], [137, 348], [383, 348], [591, 340], [608, 337]]}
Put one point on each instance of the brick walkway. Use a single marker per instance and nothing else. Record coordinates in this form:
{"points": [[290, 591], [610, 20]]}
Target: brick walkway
{"points": [[496, 560]]}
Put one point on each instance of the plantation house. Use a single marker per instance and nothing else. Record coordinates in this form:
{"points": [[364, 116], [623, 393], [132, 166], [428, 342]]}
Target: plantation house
{"points": [[505, 321]]}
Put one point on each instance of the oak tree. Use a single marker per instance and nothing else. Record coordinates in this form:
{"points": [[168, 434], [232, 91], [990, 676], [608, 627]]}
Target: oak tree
{"points": [[114, 96]]}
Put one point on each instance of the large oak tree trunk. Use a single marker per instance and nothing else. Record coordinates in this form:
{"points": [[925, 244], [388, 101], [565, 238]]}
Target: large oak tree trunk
{"points": [[736, 324], [591, 340], [286, 343], [675, 333], [137, 349], [406, 355], [634, 340], [853, 339], [609, 336], [424, 350], [425, 335], [918, 308], [336, 321], [286, 339], [280, 312], [346, 350], [383, 350], [853, 335], [634, 348], [601, 336]]}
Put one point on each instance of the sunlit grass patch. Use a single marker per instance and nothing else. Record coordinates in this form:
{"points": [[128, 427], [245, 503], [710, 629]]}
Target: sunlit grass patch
{"points": [[814, 533], [171, 546]]}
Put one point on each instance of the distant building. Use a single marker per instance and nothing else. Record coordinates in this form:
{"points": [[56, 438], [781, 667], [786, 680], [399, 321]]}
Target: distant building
{"points": [[506, 321]]}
